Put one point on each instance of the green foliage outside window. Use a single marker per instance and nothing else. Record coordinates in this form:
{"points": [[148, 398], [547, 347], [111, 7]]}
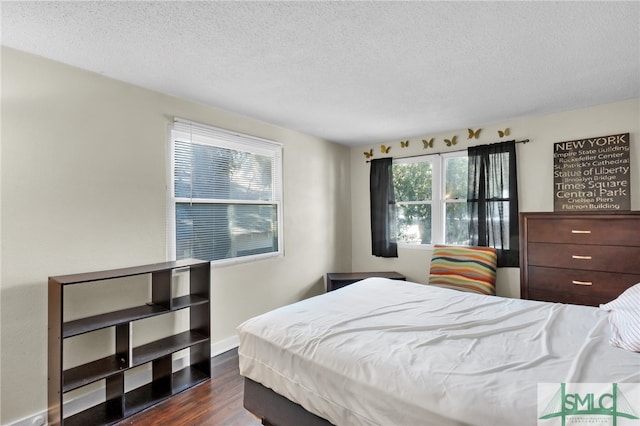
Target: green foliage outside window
{"points": [[414, 193], [456, 215]]}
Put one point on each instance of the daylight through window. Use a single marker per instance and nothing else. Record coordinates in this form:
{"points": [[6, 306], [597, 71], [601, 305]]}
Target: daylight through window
{"points": [[225, 194], [430, 193]]}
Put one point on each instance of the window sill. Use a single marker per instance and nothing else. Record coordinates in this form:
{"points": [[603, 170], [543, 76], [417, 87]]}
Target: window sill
{"points": [[415, 246], [244, 259]]}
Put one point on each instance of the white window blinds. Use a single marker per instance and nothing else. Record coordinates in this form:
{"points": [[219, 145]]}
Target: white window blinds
{"points": [[226, 194]]}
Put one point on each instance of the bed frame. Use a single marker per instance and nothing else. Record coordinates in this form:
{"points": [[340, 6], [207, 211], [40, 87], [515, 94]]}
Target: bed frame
{"points": [[275, 410]]}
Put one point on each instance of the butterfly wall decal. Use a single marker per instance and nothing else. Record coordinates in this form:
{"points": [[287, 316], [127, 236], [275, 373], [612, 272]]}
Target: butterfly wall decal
{"points": [[369, 154], [474, 134], [504, 132], [384, 149], [427, 143], [452, 141], [404, 144]]}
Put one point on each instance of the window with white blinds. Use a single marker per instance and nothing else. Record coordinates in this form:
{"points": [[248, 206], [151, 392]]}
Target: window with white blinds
{"points": [[226, 194]]}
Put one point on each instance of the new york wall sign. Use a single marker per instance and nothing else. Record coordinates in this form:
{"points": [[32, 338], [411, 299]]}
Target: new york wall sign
{"points": [[592, 174]]}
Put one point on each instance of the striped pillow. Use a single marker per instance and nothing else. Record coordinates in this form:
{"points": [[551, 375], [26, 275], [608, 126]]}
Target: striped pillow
{"points": [[624, 318], [470, 269]]}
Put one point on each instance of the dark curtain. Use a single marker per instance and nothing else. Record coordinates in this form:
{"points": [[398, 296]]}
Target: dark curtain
{"points": [[492, 200], [383, 211]]}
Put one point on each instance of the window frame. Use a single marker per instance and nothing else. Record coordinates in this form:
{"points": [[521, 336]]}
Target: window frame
{"points": [[438, 201], [233, 141]]}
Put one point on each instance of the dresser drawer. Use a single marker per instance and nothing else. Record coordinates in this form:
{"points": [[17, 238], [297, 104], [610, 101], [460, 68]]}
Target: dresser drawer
{"points": [[587, 257], [575, 299], [611, 231], [603, 286]]}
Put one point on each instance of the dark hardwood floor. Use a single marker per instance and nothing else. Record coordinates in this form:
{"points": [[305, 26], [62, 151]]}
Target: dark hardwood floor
{"points": [[215, 402]]}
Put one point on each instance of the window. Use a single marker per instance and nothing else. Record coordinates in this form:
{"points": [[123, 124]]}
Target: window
{"points": [[430, 193], [225, 194]]}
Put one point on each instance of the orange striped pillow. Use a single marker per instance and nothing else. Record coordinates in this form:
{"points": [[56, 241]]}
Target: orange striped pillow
{"points": [[464, 268]]}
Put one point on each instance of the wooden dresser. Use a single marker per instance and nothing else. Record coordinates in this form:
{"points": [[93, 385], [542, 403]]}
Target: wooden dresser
{"points": [[584, 259]]}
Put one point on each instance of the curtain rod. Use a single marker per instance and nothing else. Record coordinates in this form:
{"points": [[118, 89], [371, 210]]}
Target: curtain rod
{"points": [[440, 153]]}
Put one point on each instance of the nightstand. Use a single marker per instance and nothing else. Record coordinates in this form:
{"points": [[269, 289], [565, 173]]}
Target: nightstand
{"points": [[336, 280]]}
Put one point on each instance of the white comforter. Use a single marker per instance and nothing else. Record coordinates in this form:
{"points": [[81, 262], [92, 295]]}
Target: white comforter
{"points": [[385, 352]]}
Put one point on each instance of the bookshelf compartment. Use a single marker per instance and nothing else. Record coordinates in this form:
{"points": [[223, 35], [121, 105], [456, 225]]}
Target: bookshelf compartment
{"points": [[166, 346], [93, 371], [124, 316]]}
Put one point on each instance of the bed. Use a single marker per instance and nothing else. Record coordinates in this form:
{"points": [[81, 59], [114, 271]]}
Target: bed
{"points": [[387, 352]]}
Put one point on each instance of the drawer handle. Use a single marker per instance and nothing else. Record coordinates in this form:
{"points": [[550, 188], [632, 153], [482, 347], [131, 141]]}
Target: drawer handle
{"points": [[578, 231], [581, 282], [576, 256]]}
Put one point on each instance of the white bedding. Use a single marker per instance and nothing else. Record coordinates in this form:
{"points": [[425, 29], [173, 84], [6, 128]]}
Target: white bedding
{"points": [[385, 352]]}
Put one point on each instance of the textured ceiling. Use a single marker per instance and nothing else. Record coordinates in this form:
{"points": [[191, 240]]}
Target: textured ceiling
{"points": [[352, 72]]}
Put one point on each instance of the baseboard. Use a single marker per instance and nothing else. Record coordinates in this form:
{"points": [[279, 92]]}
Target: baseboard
{"points": [[97, 396], [224, 345], [39, 419]]}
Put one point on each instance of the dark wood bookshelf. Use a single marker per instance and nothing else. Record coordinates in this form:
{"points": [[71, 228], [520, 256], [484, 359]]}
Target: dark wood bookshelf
{"points": [[157, 354]]}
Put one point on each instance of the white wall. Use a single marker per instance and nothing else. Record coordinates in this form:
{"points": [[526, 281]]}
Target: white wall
{"points": [[535, 176], [83, 179]]}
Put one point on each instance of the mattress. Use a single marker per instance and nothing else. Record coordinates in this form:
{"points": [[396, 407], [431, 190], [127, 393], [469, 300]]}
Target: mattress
{"points": [[387, 352]]}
